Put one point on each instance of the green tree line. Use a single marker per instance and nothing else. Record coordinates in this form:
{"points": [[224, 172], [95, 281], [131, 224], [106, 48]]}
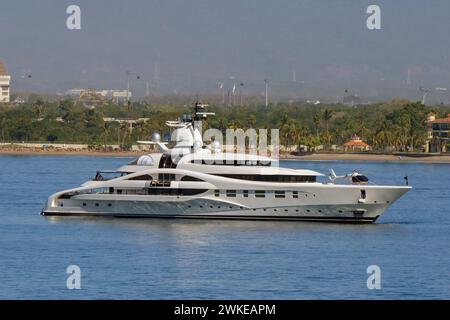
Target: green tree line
{"points": [[398, 125]]}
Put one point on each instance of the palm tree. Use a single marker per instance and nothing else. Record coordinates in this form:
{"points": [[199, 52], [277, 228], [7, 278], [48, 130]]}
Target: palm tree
{"points": [[105, 133], [39, 108], [327, 115], [316, 120]]}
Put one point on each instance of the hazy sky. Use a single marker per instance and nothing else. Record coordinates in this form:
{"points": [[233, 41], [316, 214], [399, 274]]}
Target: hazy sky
{"points": [[192, 45]]}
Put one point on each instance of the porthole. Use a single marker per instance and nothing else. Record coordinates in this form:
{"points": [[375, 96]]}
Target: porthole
{"points": [[340, 211], [320, 211], [62, 204], [84, 204], [96, 204], [109, 204], [308, 210], [286, 210]]}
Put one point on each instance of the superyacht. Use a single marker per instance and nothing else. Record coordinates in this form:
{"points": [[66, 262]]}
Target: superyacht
{"points": [[192, 179]]}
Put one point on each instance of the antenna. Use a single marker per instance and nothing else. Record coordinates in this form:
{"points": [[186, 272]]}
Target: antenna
{"points": [[199, 114], [156, 76], [266, 81]]}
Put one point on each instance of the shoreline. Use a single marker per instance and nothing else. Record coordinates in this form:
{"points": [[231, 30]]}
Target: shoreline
{"points": [[399, 158]]}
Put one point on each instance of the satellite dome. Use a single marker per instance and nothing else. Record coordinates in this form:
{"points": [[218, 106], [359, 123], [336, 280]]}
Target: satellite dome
{"points": [[145, 161], [156, 137]]}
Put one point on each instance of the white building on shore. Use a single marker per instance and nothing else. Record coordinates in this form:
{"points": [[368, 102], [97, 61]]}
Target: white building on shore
{"points": [[115, 95], [5, 80]]}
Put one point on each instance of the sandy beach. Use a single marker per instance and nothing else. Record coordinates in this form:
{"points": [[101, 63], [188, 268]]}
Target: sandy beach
{"points": [[427, 158], [26, 152]]}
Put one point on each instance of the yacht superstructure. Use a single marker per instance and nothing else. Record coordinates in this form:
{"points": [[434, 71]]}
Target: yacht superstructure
{"points": [[193, 180]]}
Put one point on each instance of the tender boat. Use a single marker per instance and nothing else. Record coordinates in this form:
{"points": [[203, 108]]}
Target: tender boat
{"points": [[194, 180]]}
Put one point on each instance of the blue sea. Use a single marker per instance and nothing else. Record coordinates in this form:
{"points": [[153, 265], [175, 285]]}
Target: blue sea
{"points": [[188, 259]]}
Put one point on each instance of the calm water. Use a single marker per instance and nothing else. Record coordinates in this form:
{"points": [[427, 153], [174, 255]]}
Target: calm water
{"points": [[168, 259]]}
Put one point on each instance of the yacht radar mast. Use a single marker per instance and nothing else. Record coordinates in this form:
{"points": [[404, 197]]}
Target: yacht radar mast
{"points": [[199, 114]]}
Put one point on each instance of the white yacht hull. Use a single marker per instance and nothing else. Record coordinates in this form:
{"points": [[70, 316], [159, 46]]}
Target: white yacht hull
{"points": [[322, 202]]}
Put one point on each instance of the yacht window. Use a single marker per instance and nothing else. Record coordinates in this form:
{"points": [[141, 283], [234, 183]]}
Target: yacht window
{"points": [[189, 178], [231, 193], [143, 177], [279, 194], [166, 177], [270, 178], [260, 194], [220, 162], [167, 162], [217, 193], [295, 194], [363, 194], [245, 193], [174, 191]]}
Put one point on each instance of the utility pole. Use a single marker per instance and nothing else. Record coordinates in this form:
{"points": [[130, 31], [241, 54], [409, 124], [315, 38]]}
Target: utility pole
{"points": [[128, 90], [266, 81], [128, 86], [147, 89], [138, 77]]}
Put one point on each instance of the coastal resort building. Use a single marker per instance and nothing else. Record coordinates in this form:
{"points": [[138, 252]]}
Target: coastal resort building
{"points": [[356, 144], [438, 133], [5, 80]]}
